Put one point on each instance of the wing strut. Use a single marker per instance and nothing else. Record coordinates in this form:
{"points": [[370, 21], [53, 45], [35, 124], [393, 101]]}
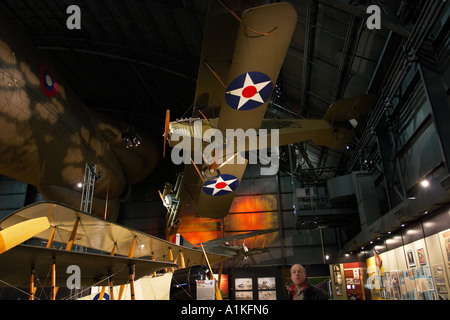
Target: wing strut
{"points": [[68, 248], [171, 258], [133, 295], [54, 288], [32, 287], [102, 292], [218, 295], [218, 77], [130, 255], [182, 264]]}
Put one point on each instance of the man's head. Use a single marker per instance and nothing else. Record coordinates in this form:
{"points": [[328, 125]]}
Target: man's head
{"points": [[298, 274]]}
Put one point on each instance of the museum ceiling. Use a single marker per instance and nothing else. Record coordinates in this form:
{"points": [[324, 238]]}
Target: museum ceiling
{"points": [[132, 60]]}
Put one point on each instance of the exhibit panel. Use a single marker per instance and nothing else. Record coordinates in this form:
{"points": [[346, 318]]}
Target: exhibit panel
{"points": [[415, 271]]}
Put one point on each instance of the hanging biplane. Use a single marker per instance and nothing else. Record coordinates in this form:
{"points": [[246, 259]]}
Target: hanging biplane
{"points": [[107, 253], [227, 245], [241, 59]]}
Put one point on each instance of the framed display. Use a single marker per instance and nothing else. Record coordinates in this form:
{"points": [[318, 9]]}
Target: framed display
{"points": [[244, 295], [446, 239], [266, 283], [243, 284], [410, 258], [421, 256], [267, 295], [266, 288]]}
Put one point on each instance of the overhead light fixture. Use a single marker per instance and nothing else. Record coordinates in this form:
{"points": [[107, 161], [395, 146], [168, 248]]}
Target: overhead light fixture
{"points": [[425, 183], [131, 139]]}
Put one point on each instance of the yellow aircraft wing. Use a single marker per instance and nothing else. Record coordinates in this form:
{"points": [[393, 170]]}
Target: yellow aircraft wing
{"points": [[20, 232], [105, 236], [261, 46]]}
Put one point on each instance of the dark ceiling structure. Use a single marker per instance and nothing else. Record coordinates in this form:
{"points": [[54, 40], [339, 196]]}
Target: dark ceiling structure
{"points": [[132, 60]]}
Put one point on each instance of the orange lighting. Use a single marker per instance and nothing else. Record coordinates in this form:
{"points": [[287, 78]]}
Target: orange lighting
{"points": [[247, 213]]}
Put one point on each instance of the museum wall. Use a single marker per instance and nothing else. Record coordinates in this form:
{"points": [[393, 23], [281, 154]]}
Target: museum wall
{"points": [[413, 264]]}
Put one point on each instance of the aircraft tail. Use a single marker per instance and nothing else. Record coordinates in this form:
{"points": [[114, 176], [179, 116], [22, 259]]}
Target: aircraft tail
{"points": [[350, 109], [178, 239]]}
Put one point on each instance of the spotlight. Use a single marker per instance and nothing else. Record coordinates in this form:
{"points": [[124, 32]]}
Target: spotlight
{"points": [[425, 183], [80, 185]]}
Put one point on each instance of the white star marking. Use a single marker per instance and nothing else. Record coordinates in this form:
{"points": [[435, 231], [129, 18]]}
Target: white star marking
{"points": [[250, 91], [220, 185]]}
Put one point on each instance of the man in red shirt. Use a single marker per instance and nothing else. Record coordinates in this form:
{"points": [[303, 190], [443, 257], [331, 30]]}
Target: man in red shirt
{"points": [[302, 289]]}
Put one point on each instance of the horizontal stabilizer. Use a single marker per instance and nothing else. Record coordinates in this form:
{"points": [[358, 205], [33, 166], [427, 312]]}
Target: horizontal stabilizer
{"points": [[350, 108]]}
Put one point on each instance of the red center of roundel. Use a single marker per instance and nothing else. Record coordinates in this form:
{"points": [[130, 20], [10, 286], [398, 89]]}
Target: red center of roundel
{"points": [[220, 185], [249, 91]]}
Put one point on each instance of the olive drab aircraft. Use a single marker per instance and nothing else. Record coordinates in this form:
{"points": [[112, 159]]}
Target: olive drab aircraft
{"points": [[241, 59], [48, 135]]}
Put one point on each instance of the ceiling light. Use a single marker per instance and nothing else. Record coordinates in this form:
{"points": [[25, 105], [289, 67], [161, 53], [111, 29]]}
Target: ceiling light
{"points": [[131, 139], [425, 183]]}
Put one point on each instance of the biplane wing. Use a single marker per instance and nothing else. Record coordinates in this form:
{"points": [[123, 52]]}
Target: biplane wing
{"points": [[261, 45], [230, 239], [86, 230], [17, 264], [18, 233]]}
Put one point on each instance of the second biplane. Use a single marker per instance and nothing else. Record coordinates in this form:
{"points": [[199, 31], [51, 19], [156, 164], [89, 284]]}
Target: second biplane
{"points": [[240, 63]]}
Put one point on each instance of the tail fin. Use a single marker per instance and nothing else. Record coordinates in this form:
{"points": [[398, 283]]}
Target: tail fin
{"points": [[178, 239]]}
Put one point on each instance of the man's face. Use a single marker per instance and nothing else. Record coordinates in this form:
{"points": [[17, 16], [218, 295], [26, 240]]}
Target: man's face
{"points": [[297, 275]]}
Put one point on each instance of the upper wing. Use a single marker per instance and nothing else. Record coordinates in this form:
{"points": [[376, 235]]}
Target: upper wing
{"points": [[261, 45], [104, 235], [217, 53], [20, 232]]}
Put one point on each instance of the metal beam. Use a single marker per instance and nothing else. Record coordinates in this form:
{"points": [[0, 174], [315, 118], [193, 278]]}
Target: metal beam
{"points": [[389, 22], [310, 31]]}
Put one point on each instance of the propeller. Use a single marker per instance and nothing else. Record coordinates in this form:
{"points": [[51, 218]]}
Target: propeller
{"points": [[20, 232], [166, 131]]}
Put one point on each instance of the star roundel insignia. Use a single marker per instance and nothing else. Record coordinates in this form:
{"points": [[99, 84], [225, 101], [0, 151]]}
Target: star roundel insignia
{"points": [[224, 184], [249, 91], [48, 82]]}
